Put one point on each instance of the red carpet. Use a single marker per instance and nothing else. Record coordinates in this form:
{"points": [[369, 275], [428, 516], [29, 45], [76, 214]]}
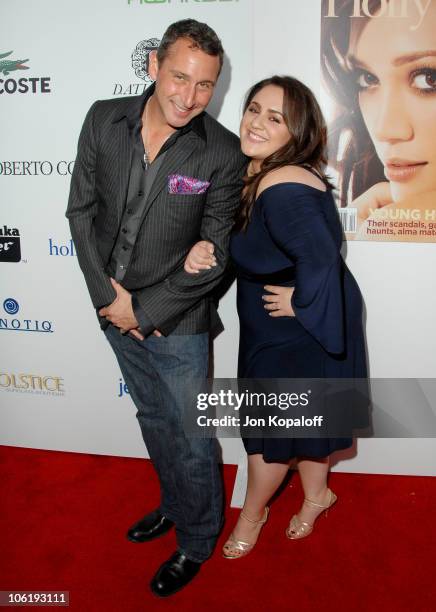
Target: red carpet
{"points": [[64, 516]]}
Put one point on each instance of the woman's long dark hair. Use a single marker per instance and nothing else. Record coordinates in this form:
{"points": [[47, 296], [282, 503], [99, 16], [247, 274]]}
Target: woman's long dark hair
{"points": [[351, 151], [307, 138]]}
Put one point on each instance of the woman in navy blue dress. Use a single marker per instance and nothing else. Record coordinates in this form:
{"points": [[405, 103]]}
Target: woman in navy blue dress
{"points": [[299, 307]]}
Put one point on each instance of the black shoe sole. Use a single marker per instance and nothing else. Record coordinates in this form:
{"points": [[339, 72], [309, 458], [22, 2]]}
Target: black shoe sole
{"points": [[160, 596]]}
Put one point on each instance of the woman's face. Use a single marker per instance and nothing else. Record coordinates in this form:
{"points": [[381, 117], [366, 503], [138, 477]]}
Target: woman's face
{"points": [[263, 129], [395, 71]]}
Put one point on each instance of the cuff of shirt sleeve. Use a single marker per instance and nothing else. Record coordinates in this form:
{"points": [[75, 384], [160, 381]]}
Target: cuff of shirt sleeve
{"points": [[145, 325], [104, 323]]}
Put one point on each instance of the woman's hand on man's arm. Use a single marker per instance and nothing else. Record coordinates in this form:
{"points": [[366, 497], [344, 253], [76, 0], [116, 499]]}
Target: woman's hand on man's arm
{"points": [[200, 257]]}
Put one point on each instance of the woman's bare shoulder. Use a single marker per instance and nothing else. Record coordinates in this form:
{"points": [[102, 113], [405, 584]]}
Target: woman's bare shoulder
{"points": [[290, 174]]}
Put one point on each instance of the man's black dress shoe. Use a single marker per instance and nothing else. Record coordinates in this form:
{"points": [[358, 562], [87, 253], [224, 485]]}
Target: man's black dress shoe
{"points": [[152, 526], [174, 574]]}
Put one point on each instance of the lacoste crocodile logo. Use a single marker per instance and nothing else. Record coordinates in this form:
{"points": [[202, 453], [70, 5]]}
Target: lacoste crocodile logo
{"points": [[7, 66]]}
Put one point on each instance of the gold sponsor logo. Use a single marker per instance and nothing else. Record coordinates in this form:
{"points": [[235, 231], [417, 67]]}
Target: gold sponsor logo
{"points": [[32, 383]]}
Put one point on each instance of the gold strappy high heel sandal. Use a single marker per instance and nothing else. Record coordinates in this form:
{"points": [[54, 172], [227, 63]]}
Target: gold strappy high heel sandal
{"points": [[300, 529], [234, 549]]}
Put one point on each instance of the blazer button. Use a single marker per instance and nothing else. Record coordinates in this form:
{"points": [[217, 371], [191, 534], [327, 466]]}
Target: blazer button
{"points": [[124, 230], [129, 211], [140, 193]]}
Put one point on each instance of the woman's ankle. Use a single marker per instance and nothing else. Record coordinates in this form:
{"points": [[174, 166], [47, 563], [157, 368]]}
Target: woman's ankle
{"points": [[253, 515], [320, 496]]}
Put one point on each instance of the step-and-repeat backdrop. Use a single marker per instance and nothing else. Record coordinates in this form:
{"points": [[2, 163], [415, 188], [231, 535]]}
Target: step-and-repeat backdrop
{"points": [[60, 387]]}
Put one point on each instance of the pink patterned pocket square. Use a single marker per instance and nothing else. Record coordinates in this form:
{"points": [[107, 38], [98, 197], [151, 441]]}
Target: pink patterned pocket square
{"points": [[177, 183]]}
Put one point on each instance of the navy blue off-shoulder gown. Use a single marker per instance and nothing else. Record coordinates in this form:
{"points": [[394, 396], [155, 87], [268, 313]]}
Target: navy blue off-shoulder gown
{"points": [[294, 239]]}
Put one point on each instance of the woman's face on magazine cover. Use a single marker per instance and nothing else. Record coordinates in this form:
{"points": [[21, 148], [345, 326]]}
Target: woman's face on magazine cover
{"points": [[263, 129], [394, 69]]}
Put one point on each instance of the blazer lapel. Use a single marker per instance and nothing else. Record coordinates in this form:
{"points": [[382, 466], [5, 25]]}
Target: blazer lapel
{"points": [[125, 151], [174, 158]]}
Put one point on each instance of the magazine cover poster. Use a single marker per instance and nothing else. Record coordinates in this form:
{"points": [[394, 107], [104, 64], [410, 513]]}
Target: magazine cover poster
{"points": [[378, 64]]}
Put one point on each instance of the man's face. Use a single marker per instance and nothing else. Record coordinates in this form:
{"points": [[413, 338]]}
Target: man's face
{"points": [[185, 81]]}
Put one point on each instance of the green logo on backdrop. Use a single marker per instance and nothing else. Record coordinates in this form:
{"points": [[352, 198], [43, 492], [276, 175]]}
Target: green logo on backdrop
{"points": [[7, 66], [22, 85], [173, 1]]}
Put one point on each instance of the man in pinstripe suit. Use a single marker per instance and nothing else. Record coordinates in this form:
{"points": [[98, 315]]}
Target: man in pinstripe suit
{"points": [[153, 175]]}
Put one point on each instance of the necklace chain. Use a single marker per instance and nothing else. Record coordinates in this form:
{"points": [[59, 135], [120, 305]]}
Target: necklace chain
{"points": [[147, 160]]}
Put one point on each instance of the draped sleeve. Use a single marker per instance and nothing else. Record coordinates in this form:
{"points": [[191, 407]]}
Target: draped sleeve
{"points": [[295, 219]]}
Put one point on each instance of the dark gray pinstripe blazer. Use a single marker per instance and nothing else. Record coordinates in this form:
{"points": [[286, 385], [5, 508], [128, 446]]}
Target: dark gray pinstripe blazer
{"points": [[172, 300]]}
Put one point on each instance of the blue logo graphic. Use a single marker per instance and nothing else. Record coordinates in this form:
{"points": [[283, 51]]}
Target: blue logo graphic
{"points": [[11, 306], [122, 388], [62, 250]]}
